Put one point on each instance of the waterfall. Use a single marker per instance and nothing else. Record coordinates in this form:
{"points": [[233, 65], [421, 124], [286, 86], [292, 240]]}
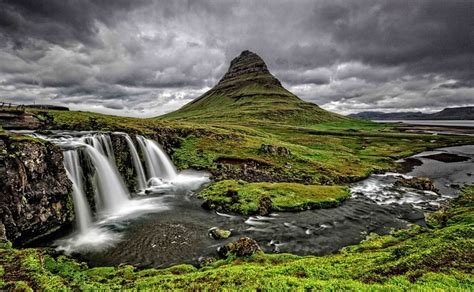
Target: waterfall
{"points": [[141, 179], [157, 162], [102, 143], [110, 185], [112, 199], [81, 206], [109, 150]]}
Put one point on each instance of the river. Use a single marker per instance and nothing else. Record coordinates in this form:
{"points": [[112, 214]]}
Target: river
{"points": [[168, 225]]}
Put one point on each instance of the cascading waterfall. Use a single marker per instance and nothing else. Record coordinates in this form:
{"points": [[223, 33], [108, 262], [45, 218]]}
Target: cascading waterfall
{"points": [[141, 179], [157, 162], [101, 143], [111, 187], [81, 206], [113, 201]]}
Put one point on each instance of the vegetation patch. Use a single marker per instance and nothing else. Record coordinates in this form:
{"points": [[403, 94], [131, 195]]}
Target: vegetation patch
{"points": [[261, 198]]}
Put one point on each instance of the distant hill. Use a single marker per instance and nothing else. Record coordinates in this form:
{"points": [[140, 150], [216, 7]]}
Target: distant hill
{"points": [[454, 113], [248, 92]]}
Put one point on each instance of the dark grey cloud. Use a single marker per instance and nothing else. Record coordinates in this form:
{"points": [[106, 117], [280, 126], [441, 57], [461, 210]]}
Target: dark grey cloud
{"points": [[147, 57]]}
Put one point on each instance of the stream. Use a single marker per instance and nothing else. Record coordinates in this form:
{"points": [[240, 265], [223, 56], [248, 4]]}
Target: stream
{"points": [[164, 223]]}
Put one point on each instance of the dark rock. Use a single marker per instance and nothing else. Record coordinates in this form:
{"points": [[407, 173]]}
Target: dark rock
{"points": [[408, 164], [243, 247], [274, 150], [234, 195], [274, 246], [3, 233], [419, 183], [246, 64], [264, 206], [208, 205], [204, 261], [36, 193], [16, 119]]}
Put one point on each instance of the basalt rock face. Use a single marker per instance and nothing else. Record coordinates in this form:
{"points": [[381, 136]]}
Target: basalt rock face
{"points": [[247, 68], [36, 195]]}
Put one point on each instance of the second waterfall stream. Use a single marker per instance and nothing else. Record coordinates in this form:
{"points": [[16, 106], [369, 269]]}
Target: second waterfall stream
{"points": [[102, 199]]}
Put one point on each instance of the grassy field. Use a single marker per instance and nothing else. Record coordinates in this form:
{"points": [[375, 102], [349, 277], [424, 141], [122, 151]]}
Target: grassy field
{"points": [[435, 258], [329, 153]]}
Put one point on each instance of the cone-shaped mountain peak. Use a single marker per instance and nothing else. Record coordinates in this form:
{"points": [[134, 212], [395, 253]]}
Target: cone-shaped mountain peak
{"points": [[249, 92], [246, 69], [246, 63]]}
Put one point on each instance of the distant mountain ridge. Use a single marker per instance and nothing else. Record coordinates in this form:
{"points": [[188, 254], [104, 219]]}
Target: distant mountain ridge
{"points": [[248, 92], [454, 113]]}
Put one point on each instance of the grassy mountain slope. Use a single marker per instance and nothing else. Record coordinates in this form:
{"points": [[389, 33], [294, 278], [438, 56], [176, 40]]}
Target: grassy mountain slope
{"points": [[249, 93]]}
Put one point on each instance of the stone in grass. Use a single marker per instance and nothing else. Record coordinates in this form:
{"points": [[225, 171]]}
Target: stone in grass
{"points": [[204, 261], [218, 233], [243, 247]]}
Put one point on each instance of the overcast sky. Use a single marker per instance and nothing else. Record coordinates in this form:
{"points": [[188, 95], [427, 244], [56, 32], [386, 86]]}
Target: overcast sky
{"points": [[144, 58]]}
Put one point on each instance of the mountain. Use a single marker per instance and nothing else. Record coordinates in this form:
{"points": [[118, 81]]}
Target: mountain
{"points": [[249, 92], [454, 113]]}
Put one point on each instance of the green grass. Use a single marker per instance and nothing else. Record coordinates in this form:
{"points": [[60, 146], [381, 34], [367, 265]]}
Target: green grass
{"points": [[253, 98], [326, 153], [283, 196], [435, 258], [329, 151]]}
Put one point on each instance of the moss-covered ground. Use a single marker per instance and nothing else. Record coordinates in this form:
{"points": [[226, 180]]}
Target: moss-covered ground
{"points": [[435, 258], [245, 198]]}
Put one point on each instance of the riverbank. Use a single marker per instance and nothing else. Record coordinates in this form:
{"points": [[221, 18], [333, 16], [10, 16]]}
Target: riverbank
{"points": [[435, 257]]}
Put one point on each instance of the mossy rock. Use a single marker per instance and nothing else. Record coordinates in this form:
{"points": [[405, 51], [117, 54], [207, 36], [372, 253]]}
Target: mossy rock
{"points": [[262, 198]]}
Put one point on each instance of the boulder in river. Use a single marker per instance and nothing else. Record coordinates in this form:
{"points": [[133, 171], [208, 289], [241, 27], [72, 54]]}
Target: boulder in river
{"points": [[419, 183], [218, 233], [204, 261]]}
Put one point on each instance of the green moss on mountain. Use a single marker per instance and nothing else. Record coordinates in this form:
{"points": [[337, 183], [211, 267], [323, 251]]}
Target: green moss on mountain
{"points": [[249, 93]]}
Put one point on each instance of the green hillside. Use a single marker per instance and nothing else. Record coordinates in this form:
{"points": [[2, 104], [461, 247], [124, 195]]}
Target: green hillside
{"points": [[249, 93]]}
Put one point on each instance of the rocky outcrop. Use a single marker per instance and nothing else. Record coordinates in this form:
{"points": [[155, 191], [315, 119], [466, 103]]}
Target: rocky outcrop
{"points": [[243, 247], [36, 196], [256, 171], [274, 150], [246, 70], [18, 119], [247, 64], [419, 183]]}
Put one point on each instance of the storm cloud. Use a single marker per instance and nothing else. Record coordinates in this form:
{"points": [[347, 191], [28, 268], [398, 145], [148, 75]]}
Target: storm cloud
{"points": [[144, 58]]}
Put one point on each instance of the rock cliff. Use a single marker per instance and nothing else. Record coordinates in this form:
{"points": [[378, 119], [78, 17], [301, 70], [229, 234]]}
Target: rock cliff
{"points": [[36, 196]]}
